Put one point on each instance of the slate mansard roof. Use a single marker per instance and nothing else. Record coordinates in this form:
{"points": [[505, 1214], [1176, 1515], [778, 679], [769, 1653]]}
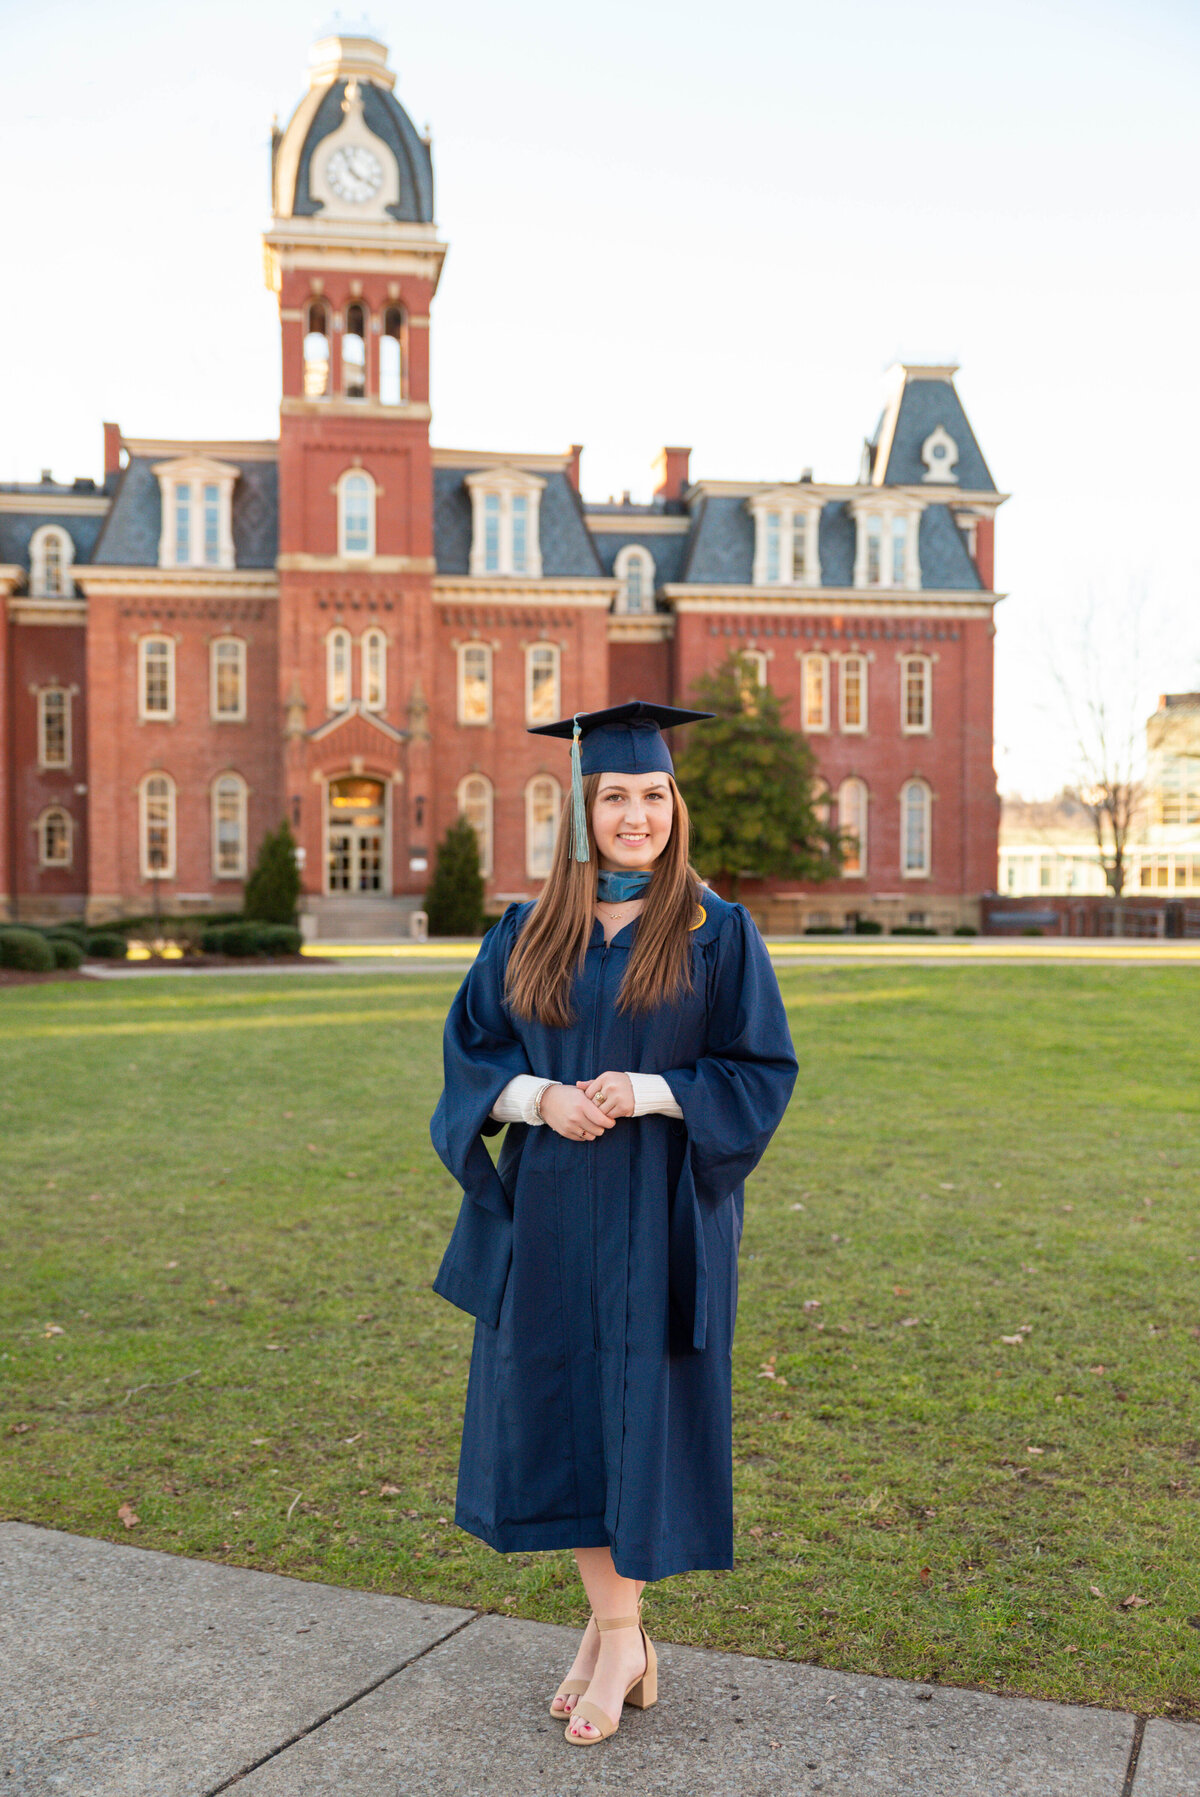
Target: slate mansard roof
{"points": [[133, 527], [387, 119]]}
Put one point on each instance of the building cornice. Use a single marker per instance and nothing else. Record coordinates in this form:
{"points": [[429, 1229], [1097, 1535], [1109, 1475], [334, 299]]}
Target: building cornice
{"points": [[929, 494], [608, 524], [11, 574], [260, 449], [300, 562], [500, 458], [57, 505], [416, 412], [492, 589], [24, 610], [806, 604], [178, 583], [654, 627]]}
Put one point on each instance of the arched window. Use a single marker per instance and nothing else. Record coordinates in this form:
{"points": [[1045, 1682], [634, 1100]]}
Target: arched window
{"points": [[374, 670], [474, 683], [55, 832], [337, 670], [815, 695], [229, 827], [393, 357], [852, 822], [634, 568], [822, 801], [475, 804], [541, 683], [54, 727], [543, 804], [756, 664], [227, 673], [915, 808], [156, 677], [854, 694], [916, 696], [51, 553], [356, 513], [156, 826], [316, 351], [354, 353]]}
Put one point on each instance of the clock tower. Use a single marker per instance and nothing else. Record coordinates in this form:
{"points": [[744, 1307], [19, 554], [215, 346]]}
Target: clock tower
{"points": [[354, 257]]}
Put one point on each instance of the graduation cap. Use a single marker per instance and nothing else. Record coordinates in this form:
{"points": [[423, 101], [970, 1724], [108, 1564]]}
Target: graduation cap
{"points": [[622, 739]]}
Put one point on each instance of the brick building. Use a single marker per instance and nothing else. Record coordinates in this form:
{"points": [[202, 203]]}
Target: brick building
{"points": [[352, 627]]}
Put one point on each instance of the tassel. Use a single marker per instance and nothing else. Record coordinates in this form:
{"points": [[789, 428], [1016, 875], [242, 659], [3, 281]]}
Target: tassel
{"points": [[581, 850]]}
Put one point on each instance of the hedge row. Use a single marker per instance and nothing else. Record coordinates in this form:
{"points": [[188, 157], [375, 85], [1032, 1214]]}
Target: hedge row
{"points": [[239, 940]]}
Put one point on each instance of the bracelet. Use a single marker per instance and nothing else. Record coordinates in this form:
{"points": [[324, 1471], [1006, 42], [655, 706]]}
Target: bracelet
{"points": [[537, 1103]]}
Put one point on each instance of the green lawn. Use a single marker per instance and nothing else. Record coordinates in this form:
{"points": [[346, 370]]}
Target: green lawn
{"points": [[221, 1215]]}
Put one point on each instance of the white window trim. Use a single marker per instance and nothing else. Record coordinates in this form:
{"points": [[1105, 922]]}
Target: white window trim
{"points": [[925, 729], [41, 825], [625, 557], [226, 717], [532, 873], [503, 483], [485, 848], [887, 506], [532, 649], [167, 872], [38, 542], [196, 472], [156, 717], [219, 873], [807, 656], [338, 634], [44, 693], [916, 873], [859, 729], [790, 505], [756, 659], [374, 634], [461, 685], [856, 780], [356, 555]]}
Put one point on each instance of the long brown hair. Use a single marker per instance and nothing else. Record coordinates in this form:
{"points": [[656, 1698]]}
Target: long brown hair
{"points": [[554, 941]]}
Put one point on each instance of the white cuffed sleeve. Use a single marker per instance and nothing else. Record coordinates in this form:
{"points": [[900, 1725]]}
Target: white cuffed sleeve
{"points": [[515, 1103], [651, 1095]]}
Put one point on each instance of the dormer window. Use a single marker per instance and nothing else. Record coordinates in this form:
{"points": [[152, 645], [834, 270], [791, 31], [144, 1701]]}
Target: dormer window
{"points": [[51, 553], [786, 549], [504, 536], [939, 452], [197, 513], [886, 544], [634, 568]]}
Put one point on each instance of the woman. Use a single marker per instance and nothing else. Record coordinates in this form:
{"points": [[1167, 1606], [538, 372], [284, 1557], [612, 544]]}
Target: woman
{"points": [[627, 1025]]}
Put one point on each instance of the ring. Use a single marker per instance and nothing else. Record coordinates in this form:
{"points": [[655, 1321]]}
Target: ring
{"points": [[601, 1096]]}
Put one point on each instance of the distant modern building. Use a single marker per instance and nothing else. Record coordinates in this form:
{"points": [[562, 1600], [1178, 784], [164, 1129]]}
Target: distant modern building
{"points": [[1049, 847], [352, 628]]}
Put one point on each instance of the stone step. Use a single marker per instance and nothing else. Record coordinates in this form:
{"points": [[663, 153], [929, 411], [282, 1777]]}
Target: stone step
{"points": [[353, 918]]}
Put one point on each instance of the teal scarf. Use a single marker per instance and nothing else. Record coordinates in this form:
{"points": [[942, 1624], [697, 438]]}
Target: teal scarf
{"points": [[611, 888]]}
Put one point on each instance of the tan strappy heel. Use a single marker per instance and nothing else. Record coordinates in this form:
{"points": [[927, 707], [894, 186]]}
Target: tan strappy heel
{"points": [[641, 1693], [570, 1687]]}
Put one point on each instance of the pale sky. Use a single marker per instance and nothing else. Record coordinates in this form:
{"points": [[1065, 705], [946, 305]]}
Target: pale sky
{"points": [[675, 223]]}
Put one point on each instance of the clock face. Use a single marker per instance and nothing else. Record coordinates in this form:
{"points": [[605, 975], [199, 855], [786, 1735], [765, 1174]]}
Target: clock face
{"points": [[354, 173]]}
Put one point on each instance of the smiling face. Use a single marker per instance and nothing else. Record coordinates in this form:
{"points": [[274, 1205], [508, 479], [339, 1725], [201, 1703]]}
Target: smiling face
{"points": [[631, 820]]}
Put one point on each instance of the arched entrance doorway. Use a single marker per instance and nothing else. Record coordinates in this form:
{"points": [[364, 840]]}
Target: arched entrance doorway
{"points": [[356, 835]]}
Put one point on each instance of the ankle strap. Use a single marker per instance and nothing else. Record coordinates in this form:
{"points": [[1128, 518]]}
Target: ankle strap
{"points": [[617, 1622]]}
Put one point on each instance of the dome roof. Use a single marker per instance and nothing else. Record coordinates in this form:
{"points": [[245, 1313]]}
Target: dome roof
{"points": [[336, 63]]}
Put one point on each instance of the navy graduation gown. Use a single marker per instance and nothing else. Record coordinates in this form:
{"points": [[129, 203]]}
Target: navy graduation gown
{"points": [[603, 1275]]}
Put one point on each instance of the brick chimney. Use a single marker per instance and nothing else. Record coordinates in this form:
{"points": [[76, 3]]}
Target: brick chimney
{"points": [[572, 469], [671, 473], [112, 448]]}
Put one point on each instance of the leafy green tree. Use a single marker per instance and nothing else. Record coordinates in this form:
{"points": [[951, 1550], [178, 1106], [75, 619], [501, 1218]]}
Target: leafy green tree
{"points": [[454, 901], [751, 786], [273, 888]]}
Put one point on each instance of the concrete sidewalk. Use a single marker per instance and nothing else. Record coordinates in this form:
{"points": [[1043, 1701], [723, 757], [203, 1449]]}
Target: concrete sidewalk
{"points": [[129, 1673]]}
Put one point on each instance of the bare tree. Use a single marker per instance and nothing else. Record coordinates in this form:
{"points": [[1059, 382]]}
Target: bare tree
{"points": [[1102, 705]]}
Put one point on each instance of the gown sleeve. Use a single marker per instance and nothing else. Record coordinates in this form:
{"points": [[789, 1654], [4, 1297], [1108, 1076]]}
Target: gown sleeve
{"points": [[734, 1097], [480, 1055]]}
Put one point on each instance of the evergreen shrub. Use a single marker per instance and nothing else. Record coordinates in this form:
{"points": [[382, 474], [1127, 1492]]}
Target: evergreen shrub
{"points": [[454, 901], [67, 950], [106, 945], [965, 929], [868, 926], [913, 929], [26, 951], [273, 889]]}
